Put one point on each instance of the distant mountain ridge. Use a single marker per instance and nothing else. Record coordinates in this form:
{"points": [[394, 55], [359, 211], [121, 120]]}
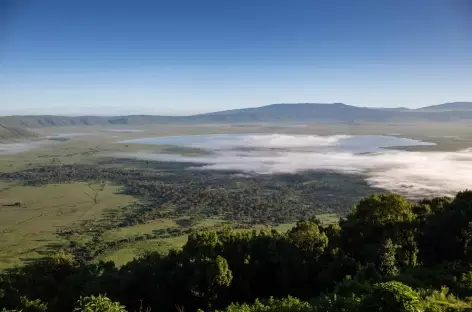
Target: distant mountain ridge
{"points": [[453, 106], [300, 112]]}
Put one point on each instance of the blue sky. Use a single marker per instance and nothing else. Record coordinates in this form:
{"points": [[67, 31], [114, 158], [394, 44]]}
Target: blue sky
{"points": [[181, 57]]}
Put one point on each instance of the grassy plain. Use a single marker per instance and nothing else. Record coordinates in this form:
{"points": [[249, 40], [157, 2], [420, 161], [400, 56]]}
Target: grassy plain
{"points": [[31, 216], [130, 251], [29, 230]]}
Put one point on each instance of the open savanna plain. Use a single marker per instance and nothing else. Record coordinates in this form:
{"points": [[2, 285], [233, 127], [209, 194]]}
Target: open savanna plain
{"points": [[72, 192]]}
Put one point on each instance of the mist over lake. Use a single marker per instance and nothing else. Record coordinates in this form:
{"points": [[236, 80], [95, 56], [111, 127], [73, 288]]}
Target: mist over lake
{"points": [[335, 143], [378, 158]]}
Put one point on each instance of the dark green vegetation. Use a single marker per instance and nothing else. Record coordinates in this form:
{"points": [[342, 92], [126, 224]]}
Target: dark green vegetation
{"points": [[387, 254], [308, 112], [171, 202], [170, 190]]}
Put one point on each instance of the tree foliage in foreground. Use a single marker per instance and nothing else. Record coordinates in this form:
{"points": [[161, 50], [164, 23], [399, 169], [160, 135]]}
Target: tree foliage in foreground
{"points": [[388, 254], [97, 304]]}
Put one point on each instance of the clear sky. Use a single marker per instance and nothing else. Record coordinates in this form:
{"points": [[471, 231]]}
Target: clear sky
{"points": [[110, 57]]}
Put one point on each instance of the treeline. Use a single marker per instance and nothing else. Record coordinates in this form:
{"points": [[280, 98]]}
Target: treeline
{"points": [[271, 199], [388, 254]]}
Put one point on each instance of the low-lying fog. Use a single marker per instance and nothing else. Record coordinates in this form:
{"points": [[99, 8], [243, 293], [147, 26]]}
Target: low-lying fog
{"points": [[415, 174], [20, 147], [14, 148]]}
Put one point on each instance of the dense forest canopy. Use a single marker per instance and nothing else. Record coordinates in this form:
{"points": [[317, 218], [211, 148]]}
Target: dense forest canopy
{"points": [[255, 199], [387, 254]]}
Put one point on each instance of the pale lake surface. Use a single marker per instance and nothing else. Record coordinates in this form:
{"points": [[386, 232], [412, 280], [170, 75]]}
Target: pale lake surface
{"points": [[336, 143]]}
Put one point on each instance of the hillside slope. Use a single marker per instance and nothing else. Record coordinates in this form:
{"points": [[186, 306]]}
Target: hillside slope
{"points": [[15, 133], [336, 112], [454, 106]]}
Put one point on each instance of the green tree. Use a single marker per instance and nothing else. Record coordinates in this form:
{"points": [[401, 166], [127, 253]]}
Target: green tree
{"points": [[447, 234], [99, 303], [33, 305], [289, 304], [391, 297], [373, 221], [306, 236], [387, 265], [207, 279]]}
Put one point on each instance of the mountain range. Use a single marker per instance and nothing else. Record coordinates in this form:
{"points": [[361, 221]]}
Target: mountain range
{"points": [[284, 113]]}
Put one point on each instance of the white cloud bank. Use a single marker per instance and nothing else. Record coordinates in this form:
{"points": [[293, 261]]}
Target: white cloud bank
{"points": [[415, 174]]}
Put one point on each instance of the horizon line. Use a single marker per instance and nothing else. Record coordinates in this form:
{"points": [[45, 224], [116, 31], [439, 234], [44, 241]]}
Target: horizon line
{"points": [[232, 109]]}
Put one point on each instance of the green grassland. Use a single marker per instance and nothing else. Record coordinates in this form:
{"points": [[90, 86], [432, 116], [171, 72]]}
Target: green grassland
{"points": [[159, 224], [31, 217], [130, 251]]}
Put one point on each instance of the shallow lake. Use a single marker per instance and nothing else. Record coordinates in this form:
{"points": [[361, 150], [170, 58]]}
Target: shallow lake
{"points": [[335, 143]]}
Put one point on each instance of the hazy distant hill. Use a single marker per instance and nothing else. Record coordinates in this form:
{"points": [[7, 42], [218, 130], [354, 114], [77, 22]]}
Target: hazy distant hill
{"points": [[15, 133], [454, 106], [399, 109], [336, 112], [304, 112], [57, 121]]}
